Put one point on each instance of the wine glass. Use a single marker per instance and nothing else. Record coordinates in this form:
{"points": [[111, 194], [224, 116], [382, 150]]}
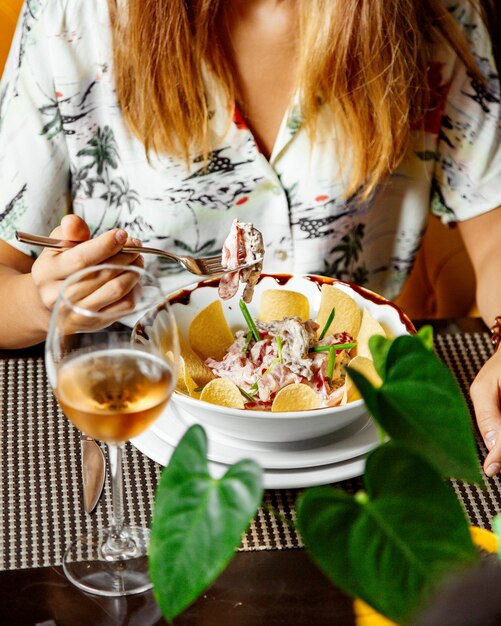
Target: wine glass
{"points": [[112, 379]]}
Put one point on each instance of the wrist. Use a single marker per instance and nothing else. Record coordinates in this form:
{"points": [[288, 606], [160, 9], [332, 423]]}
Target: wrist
{"points": [[40, 315]]}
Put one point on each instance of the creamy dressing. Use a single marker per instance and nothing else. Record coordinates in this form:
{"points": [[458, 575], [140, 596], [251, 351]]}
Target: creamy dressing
{"points": [[262, 368]]}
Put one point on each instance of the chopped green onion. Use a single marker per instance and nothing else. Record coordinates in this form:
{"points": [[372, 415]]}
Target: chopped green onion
{"points": [[246, 395], [247, 341], [330, 365], [250, 322], [199, 388], [272, 364], [328, 322], [336, 346], [279, 346]]}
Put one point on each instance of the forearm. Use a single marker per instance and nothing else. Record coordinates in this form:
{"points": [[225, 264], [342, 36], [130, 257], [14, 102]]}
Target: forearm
{"points": [[488, 294], [24, 319], [481, 239], [488, 289]]}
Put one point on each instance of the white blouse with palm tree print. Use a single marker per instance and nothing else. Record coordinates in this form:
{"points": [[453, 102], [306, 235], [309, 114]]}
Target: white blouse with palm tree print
{"points": [[64, 146]]}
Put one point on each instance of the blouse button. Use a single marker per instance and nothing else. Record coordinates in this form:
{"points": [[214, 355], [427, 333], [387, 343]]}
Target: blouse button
{"points": [[280, 255]]}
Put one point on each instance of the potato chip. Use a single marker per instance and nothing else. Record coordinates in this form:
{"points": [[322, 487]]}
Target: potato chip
{"points": [[366, 367], [368, 327], [209, 333], [296, 397], [347, 315], [195, 367], [277, 304], [185, 383], [223, 392]]}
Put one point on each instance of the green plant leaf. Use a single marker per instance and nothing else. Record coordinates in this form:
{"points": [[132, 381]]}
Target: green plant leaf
{"points": [[425, 333], [198, 522], [379, 347], [420, 404], [392, 546], [496, 527]]}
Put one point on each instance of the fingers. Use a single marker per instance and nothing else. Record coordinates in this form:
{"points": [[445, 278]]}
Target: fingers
{"points": [[92, 252], [92, 282], [97, 290], [125, 258], [485, 394], [100, 288]]}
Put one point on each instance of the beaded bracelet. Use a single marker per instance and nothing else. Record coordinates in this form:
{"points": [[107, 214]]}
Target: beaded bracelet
{"points": [[496, 333]]}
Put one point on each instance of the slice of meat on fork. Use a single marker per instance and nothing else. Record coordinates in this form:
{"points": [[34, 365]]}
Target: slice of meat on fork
{"points": [[243, 245]]}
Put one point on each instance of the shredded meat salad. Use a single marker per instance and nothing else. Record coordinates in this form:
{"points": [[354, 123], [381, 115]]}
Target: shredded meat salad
{"points": [[285, 354], [243, 245]]}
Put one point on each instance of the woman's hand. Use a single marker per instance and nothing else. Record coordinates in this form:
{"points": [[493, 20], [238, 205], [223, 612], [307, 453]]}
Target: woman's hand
{"points": [[109, 290], [485, 394]]}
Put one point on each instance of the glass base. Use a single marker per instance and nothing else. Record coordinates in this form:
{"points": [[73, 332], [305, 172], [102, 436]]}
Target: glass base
{"points": [[93, 566]]}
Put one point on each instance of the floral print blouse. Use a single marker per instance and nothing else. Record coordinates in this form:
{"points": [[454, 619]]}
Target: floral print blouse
{"points": [[64, 147]]}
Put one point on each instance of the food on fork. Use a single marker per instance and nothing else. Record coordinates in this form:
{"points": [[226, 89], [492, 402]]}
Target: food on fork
{"points": [[283, 360], [243, 245]]}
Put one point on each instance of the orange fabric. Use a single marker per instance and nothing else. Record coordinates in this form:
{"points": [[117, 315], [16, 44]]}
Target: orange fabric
{"points": [[9, 12]]}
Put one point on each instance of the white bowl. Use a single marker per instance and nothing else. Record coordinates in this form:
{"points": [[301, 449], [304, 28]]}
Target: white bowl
{"points": [[265, 425]]}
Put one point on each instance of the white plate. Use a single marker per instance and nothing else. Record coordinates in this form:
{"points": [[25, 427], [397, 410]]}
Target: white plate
{"points": [[350, 442], [160, 451]]}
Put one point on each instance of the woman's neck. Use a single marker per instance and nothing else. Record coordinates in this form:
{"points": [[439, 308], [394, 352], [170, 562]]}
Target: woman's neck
{"points": [[260, 39]]}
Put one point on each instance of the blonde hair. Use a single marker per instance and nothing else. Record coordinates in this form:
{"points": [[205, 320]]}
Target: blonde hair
{"points": [[367, 60]]}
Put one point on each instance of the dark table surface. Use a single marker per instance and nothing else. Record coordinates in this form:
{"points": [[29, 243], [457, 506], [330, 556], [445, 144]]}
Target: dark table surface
{"points": [[258, 588]]}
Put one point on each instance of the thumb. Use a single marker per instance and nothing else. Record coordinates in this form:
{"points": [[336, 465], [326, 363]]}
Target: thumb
{"points": [[74, 228], [492, 462]]}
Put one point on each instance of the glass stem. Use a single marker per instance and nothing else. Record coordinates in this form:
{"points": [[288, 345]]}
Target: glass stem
{"points": [[115, 453], [118, 543]]}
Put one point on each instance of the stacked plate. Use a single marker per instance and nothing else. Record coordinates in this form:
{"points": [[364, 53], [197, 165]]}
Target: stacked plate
{"points": [[320, 461]]}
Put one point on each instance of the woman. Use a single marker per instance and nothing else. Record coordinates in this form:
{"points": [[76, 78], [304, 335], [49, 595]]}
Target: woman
{"points": [[327, 124]]}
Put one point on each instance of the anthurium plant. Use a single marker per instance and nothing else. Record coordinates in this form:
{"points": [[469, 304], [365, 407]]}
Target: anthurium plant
{"points": [[391, 544]]}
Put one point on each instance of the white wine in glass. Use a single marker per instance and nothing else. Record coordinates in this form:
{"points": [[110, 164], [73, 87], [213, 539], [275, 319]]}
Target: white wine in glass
{"points": [[112, 380]]}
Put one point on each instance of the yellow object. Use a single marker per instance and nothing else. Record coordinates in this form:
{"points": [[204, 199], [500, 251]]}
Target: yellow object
{"points": [[185, 383], [347, 315], [9, 12], [367, 616], [296, 397], [193, 364], [366, 367], [223, 392], [277, 304], [209, 334], [368, 327]]}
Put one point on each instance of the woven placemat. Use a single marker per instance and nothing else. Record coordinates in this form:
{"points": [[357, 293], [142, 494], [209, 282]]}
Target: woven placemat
{"points": [[40, 482]]}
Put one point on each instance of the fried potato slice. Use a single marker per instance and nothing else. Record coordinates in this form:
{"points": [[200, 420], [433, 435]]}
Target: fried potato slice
{"points": [[368, 327], [223, 392], [277, 304], [194, 365], [366, 367], [185, 383], [296, 397], [347, 315], [209, 333]]}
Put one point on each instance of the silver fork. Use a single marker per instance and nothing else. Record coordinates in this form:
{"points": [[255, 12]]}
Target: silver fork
{"points": [[203, 266]]}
